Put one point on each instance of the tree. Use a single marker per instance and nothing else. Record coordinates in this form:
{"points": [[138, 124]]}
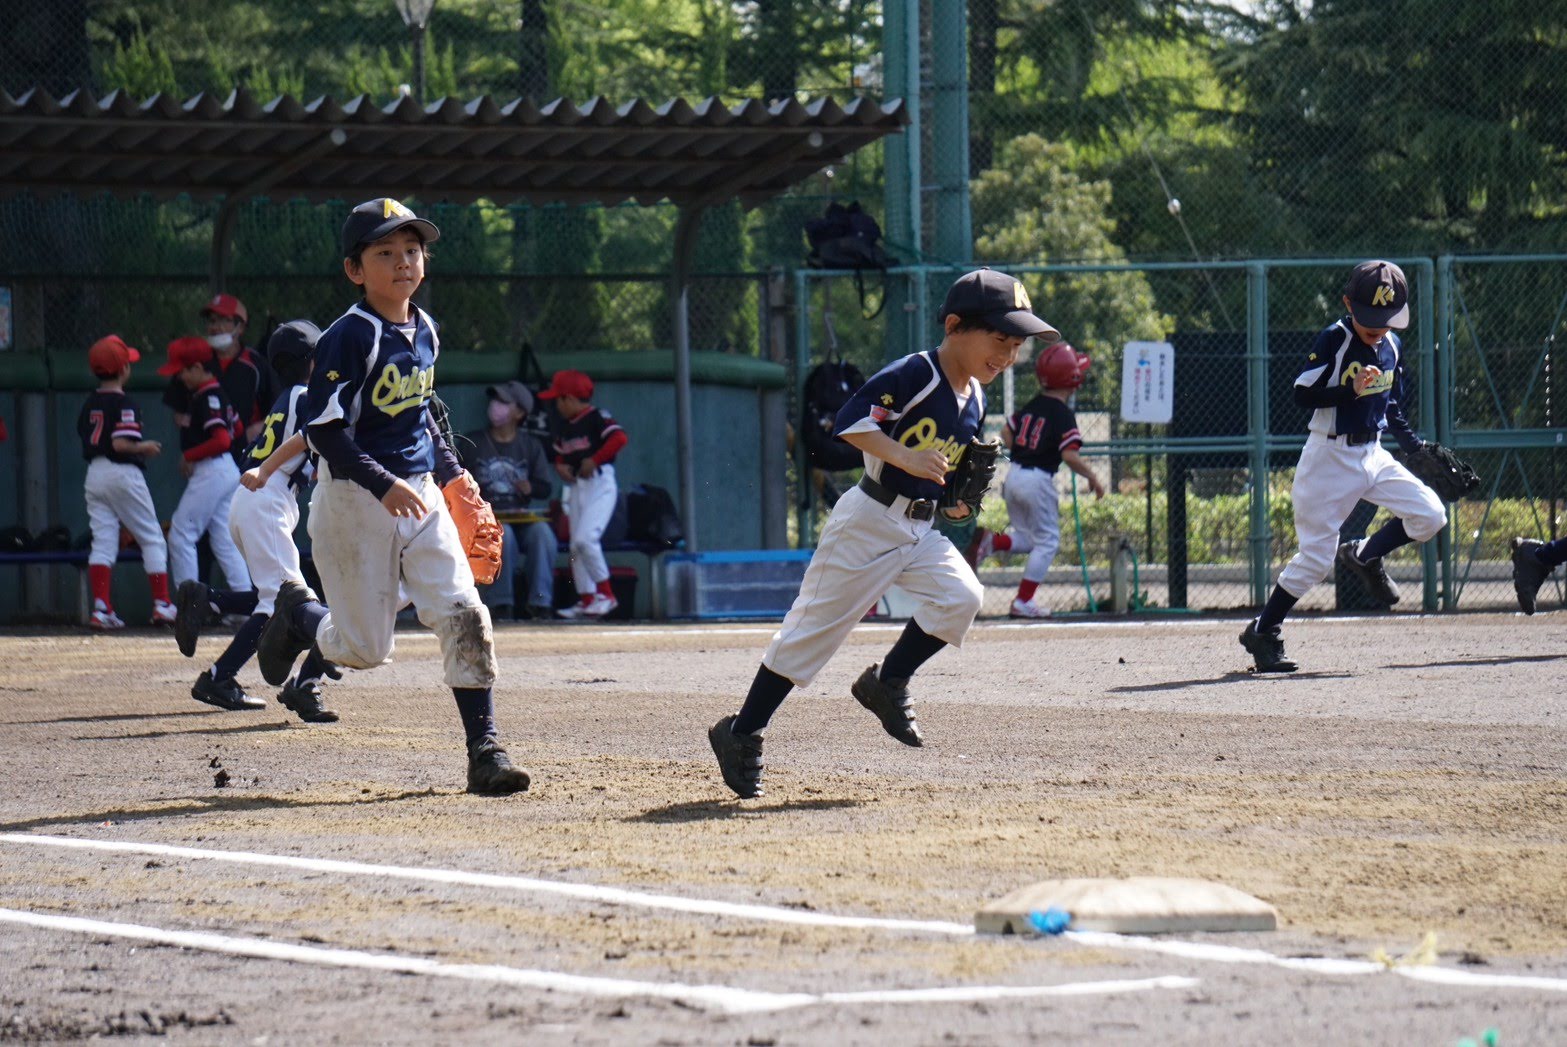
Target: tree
{"points": [[1032, 207]]}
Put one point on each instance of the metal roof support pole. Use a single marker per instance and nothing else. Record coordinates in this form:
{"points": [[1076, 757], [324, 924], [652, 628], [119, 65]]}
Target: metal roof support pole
{"points": [[223, 224], [686, 227]]}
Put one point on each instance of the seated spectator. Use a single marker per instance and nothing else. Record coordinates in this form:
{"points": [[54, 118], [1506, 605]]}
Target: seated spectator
{"points": [[513, 471]]}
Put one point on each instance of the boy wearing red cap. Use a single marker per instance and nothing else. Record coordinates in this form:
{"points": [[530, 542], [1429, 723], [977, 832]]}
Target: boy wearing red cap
{"points": [[207, 436], [116, 487], [585, 450]]}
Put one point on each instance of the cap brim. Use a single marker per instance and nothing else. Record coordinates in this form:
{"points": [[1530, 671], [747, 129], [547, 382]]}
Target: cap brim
{"points": [[170, 369], [134, 355], [391, 225], [1021, 323], [548, 394], [1381, 316]]}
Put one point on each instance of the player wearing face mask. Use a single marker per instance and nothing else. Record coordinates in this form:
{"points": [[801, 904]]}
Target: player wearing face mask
{"points": [[513, 472], [246, 380]]}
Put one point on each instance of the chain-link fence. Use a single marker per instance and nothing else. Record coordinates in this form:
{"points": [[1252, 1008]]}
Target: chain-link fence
{"points": [[1190, 528]]}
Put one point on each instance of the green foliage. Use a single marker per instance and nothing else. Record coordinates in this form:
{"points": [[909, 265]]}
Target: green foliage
{"points": [[139, 70], [1033, 206]]}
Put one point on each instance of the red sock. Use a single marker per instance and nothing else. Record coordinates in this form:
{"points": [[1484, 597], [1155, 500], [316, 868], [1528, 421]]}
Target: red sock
{"points": [[98, 581], [1001, 542], [606, 590], [585, 598], [1025, 590], [160, 586]]}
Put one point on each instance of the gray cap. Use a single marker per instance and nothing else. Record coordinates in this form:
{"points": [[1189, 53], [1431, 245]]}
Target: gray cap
{"points": [[512, 392]]}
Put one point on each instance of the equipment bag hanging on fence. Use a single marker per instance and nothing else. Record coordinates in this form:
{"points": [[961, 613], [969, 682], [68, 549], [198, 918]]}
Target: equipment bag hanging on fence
{"points": [[828, 387], [846, 237]]}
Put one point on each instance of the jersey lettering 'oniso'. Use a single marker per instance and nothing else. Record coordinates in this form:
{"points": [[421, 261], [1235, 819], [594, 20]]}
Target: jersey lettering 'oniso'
{"points": [[108, 415], [372, 376], [286, 418], [582, 436], [1041, 431], [911, 401], [1337, 356], [209, 409]]}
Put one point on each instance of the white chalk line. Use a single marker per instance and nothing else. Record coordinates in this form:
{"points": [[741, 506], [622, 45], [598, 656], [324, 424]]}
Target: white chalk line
{"points": [[1201, 951], [723, 998], [581, 891]]}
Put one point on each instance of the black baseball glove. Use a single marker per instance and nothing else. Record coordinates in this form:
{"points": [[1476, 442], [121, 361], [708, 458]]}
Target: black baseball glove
{"points": [[971, 479], [1443, 471]]}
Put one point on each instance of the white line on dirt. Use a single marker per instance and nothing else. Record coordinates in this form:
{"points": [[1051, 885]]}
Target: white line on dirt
{"points": [[715, 997], [1201, 951], [583, 891]]}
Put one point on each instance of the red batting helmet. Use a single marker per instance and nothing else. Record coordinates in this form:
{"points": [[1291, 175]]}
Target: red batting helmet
{"points": [[1059, 366]]}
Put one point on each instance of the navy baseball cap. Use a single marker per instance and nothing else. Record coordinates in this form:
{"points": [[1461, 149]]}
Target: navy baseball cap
{"points": [[999, 300], [1378, 295], [295, 340], [383, 216]]}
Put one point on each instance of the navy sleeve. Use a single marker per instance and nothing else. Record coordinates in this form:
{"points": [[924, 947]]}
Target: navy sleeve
{"points": [[883, 397], [347, 462], [447, 467], [339, 373], [1397, 421], [1314, 387]]}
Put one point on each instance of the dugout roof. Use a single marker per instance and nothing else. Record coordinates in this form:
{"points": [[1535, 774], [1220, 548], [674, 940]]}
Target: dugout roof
{"points": [[557, 152]]}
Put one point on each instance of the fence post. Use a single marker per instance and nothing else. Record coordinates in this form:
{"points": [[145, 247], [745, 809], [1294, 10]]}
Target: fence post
{"points": [[805, 513], [1261, 537], [1431, 561]]}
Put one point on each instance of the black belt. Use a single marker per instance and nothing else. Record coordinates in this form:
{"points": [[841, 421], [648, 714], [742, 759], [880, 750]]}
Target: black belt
{"points": [[1355, 439], [919, 508], [1025, 465]]}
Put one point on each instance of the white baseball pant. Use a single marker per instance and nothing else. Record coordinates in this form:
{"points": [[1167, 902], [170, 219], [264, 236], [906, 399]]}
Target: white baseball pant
{"points": [[1329, 480], [1034, 509], [592, 505], [865, 549], [117, 494], [262, 524], [365, 555], [204, 507]]}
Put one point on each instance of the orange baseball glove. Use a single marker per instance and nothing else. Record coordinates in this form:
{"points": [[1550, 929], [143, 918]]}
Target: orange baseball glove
{"points": [[476, 527]]}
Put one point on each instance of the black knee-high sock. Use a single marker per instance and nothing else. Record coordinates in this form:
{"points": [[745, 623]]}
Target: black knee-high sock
{"points": [[240, 649], [1391, 536], [312, 668], [477, 708], [1278, 605], [913, 649], [231, 601], [307, 617], [767, 693]]}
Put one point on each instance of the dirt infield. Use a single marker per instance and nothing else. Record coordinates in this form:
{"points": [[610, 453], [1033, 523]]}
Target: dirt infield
{"points": [[1412, 778]]}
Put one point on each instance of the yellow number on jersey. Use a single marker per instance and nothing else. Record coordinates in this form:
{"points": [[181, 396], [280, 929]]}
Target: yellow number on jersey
{"points": [[268, 441]]}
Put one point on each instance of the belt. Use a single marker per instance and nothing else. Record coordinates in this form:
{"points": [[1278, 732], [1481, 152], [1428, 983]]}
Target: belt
{"points": [[1024, 465], [1355, 439], [918, 508]]}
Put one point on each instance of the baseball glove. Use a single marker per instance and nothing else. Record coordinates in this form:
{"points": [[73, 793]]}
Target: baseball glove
{"points": [[971, 479], [476, 527], [1443, 471]]}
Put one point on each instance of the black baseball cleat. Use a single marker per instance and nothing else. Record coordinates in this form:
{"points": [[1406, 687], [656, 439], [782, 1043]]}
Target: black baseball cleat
{"points": [[190, 615], [739, 758], [1372, 574], [225, 694], [491, 772], [280, 644], [889, 700], [1528, 572], [1267, 650], [304, 699]]}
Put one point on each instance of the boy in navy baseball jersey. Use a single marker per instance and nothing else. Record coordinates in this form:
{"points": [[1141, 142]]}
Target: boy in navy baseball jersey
{"points": [[1353, 380], [914, 420], [378, 518], [1533, 562], [116, 487], [207, 436], [1043, 436], [585, 450], [262, 518]]}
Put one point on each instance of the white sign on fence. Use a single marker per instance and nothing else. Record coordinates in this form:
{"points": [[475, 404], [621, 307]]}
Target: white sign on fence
{"points": [[1148, 382]]}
